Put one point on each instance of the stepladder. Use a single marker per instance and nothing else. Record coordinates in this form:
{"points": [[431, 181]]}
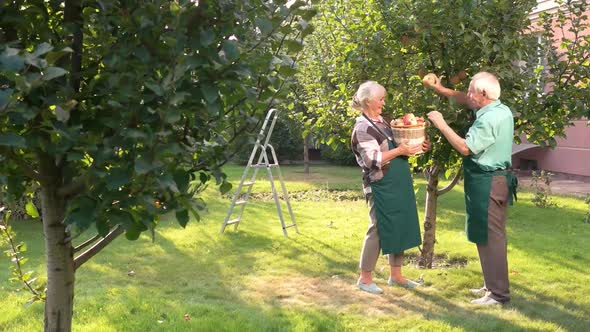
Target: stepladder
{"points": [[263, 156]]}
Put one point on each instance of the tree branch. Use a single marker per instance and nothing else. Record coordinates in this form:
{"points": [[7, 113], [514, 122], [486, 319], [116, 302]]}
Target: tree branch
{"points": [[15, 253], [87, 243], [73, 188], [24, 166], [97, 247], [450, 185]]}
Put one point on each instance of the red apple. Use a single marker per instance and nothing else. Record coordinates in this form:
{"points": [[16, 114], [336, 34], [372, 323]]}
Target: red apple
{"points": [[408, 117]]}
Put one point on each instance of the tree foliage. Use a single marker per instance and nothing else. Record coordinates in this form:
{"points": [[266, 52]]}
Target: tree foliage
{"points": [[123, 110], [397, 42]]}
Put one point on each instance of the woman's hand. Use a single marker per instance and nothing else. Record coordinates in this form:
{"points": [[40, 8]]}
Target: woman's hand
{"points": [[426, 145], [408, 150]]}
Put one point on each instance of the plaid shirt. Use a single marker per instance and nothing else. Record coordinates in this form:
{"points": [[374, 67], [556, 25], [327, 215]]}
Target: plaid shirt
{"points": [[368, 146]]}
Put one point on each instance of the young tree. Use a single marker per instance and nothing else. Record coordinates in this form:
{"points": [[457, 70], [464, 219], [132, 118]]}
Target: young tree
{"points": [[121, 111], [397, 42]]}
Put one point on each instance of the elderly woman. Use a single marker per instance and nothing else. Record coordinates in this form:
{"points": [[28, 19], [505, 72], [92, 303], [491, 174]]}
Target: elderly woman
{"points": [[387, 184]]}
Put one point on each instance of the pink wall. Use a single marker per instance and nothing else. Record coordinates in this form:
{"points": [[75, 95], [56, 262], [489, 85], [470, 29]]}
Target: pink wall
{"points": [[571, 156]]}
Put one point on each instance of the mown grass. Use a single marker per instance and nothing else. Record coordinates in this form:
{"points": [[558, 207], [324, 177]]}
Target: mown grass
{"points": [[255, 279]]}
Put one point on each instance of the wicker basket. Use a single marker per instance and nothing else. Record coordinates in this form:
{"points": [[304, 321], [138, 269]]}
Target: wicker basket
{"points": [[412, 135]]}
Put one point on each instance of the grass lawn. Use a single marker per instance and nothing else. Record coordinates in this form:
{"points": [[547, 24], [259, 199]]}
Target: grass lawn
{"points": [[255, 279]]}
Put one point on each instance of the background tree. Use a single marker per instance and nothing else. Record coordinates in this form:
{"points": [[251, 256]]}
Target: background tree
{"points": [[397, 42], [121, 111]]}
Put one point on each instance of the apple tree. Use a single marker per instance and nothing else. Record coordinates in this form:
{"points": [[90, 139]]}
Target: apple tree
{"points": [[121, 111], [397, 42]]}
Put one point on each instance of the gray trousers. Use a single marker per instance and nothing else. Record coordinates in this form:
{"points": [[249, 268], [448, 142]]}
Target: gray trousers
{"points": [[493, 255], [372, 244]]}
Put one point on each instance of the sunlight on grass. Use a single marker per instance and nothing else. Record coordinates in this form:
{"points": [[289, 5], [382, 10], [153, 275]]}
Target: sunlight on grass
{"points": [[255, 279]]}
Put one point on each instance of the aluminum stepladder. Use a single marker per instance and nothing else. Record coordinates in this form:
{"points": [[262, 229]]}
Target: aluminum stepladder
{"points": [[260, 147]]}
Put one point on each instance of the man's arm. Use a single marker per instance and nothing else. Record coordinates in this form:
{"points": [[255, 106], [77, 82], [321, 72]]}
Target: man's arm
{"points": [[455, 140], [459, 96]]}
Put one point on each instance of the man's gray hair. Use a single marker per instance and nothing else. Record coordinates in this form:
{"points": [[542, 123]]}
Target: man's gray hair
{"points": [[488, 82], [364, 94]]}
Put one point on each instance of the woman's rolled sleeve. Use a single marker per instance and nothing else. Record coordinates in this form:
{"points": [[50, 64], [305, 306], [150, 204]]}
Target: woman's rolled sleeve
{"points": [[370, 151]]}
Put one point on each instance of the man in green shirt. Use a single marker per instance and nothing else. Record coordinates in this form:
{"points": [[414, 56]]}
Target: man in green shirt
{"points": [[487, 151]]}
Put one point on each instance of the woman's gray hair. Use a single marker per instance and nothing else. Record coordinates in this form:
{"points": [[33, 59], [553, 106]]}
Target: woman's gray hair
{"points": [[365, 92], [484, 81]]}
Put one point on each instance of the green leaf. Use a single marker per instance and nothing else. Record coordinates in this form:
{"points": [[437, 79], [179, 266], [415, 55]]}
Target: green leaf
{"points": [[32, 210], [81, 213], [61, 114], [117, 178], [167, 182], [42, 49], [207, 37], [178, 98], [448, 173], [182, 217], [53, 72], [13, 140], [102, 227], [264, 24], [203, 177], [155, 88], [5, 95], [74, 156], [52, 57], [231, 50], [10, 60], [143, 165], [182, 180], [294, 45], [225, 187], [172, 116], [210, 92], [132, 234]]}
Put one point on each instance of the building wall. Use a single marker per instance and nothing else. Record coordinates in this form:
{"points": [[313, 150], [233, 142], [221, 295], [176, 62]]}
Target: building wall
{"points": [[572, 153]]}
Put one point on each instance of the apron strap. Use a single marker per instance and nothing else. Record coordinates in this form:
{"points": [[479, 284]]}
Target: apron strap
{"points": [[389, 138]]}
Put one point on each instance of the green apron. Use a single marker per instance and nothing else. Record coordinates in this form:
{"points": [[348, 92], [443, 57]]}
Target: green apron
{"points": [[395, 207], [478, 185]]}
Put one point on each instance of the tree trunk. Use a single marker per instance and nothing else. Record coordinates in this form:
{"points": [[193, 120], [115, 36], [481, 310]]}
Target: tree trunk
{"points": [[306, 153], [59, 253], [427, 253]]}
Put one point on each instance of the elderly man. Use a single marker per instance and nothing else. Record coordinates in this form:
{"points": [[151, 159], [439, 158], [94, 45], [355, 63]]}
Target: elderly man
{"points": [[489, 185]]}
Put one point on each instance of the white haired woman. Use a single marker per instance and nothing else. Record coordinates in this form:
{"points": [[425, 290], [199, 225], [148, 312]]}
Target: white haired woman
{"points": [[388, 188]]}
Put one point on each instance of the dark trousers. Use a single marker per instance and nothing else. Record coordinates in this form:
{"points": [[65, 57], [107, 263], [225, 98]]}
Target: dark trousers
{"points": [[493, 255]]}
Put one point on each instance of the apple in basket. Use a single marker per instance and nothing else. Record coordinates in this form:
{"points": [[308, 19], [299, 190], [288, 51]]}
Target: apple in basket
{"points": [[407, 120], [409, 129]]}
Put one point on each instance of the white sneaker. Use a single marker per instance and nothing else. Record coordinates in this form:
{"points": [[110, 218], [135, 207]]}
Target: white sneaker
{"points": [[486, 300], [478, 291], [371, 288]]}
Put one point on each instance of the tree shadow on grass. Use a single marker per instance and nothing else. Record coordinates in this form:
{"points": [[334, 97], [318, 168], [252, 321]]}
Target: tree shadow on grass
{"points": [[550, 308], [207, 286], [468, 317]]}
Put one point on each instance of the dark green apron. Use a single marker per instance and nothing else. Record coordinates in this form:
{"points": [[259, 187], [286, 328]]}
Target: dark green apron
{"points": [[478, 185], [395, 207]]}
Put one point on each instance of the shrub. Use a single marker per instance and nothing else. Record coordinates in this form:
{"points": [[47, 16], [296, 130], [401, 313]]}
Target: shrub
{"points": [[342, 156], [541, 182], [286, 139]]}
